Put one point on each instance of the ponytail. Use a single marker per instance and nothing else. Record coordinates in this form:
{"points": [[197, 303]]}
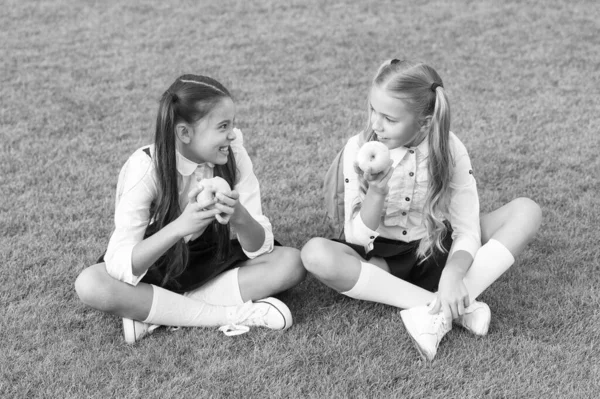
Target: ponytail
{"points": [[421, 89], [188, 99], [437, 200]]}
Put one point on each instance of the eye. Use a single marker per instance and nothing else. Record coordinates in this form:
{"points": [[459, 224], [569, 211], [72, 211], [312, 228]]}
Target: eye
{"points": [[390, 120], [224, 126]]}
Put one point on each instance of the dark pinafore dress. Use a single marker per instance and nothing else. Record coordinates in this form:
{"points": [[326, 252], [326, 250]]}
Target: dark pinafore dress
{"points": [[403, 261], [202, 265]]}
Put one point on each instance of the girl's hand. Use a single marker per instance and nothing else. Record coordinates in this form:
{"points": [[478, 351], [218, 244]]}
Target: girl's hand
{"points": [[228, 206], [195, 218], [378, 182], [452, 296]]}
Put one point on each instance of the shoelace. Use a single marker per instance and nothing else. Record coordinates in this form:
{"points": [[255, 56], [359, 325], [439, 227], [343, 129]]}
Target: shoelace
{"points": [[440, 326], [248, 314]]}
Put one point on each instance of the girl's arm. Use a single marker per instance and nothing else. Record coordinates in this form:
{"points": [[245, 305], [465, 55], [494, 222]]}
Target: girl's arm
{"points": [[250, 233], [129, 255], [252, 228], [136, 189], [372, 205], [192, 220], [464, 218], [360, 227]]}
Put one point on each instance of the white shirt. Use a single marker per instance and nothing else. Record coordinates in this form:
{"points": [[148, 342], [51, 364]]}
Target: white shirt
{"points": [[137, 188], [402, 216]]}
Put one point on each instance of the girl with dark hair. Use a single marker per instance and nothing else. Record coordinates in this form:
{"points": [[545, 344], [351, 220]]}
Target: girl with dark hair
{"points": [[174, 261], [413, 233]]}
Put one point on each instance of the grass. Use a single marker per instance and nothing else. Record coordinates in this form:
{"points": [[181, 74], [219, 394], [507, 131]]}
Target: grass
{"points": [[79, 88]]}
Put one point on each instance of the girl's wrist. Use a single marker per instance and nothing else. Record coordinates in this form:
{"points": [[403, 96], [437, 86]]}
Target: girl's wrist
{"points": [[239, 216], [453, 273], [175, 229], [375, 192]]}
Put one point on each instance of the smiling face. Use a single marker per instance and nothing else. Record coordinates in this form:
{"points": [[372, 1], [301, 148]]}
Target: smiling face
{"points": [[392, 121], [210, 137]]}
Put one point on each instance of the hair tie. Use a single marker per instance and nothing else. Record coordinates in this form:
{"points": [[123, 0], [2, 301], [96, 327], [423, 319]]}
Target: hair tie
{"points": [[394, 61], [435, 85], [174, 97]]}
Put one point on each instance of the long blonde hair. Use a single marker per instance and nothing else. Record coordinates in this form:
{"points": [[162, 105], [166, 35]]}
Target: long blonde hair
{"points": [[421, 89]]}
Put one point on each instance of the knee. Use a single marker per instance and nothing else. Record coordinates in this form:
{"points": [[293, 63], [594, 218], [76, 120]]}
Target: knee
{"points": [[292, 265], [91, 287], [529, 212], [317, 258]]}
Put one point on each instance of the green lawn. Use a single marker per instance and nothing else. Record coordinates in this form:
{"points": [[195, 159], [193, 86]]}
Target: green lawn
{"points": [[80, 81]]}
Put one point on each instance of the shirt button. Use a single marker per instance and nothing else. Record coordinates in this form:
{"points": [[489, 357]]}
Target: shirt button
{"points": [[412, 151], [347, 181], [470, 172], [403, 213], [407, 198], [404, 233], [411, 174]]}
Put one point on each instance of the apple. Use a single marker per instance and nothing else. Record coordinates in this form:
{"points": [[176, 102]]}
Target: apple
{"points": [[373, 156], [210, 189]]}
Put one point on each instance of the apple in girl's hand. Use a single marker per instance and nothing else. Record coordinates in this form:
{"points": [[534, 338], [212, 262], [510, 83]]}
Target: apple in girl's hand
{"points": [[211, 187], [373, 155]]}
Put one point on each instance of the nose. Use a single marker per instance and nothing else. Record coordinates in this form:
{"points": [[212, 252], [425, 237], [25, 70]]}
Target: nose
{"points": [[231, 136], [376, 122]]}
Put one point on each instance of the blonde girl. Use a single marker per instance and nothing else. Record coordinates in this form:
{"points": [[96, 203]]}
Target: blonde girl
{"points": [[414, 237]]}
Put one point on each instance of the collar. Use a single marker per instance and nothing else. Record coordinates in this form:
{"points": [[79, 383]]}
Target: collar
{"points": [[397, 154], [185, 167]]}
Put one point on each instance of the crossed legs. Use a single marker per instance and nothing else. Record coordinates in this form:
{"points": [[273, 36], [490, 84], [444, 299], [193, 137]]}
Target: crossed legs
{"points": [[256, 279], [508, 228]]}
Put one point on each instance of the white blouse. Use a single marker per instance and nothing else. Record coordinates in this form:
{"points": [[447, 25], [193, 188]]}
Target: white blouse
{"points": [[402, 217], [137, 188]]}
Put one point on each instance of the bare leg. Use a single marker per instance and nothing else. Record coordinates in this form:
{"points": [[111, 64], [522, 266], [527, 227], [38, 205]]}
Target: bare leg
{"points": [[505, 232], [270, 273], [341, 268], [514, 224], [144, 302], [97, 289]]}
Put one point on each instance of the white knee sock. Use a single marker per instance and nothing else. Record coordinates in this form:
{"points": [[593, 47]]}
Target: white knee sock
{"points": [[376, 285], [172, 309], [223, 290], [490, 262]]}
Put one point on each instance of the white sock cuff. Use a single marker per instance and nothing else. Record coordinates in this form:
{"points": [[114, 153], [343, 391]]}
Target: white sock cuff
{"points": [[364, 277], [151, 314], [501, 251]]}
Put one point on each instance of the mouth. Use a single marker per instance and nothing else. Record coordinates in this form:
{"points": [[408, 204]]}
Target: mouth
{"points": [[224, 150]]}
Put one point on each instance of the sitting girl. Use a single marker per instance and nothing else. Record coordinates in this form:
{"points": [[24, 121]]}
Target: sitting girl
{"points": [[413, 233], [171, 259]]}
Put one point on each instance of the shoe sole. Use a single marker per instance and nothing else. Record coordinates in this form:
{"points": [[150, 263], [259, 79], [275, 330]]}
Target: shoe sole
{"points": [[410, 326], [129, 330], [282, 309]]}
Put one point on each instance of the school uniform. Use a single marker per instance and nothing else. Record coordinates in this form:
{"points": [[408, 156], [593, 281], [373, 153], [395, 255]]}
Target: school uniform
{"points": [[137, 188], [402, 223]]}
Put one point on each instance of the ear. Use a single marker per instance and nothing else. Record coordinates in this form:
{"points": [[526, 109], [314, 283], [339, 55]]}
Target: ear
{"points": [[425, 123], [183, 132]]}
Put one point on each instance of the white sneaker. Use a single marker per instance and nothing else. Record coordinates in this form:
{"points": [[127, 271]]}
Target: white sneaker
{"points": [[269, 312], [136, 330], [476, 318], [426, 330]]}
